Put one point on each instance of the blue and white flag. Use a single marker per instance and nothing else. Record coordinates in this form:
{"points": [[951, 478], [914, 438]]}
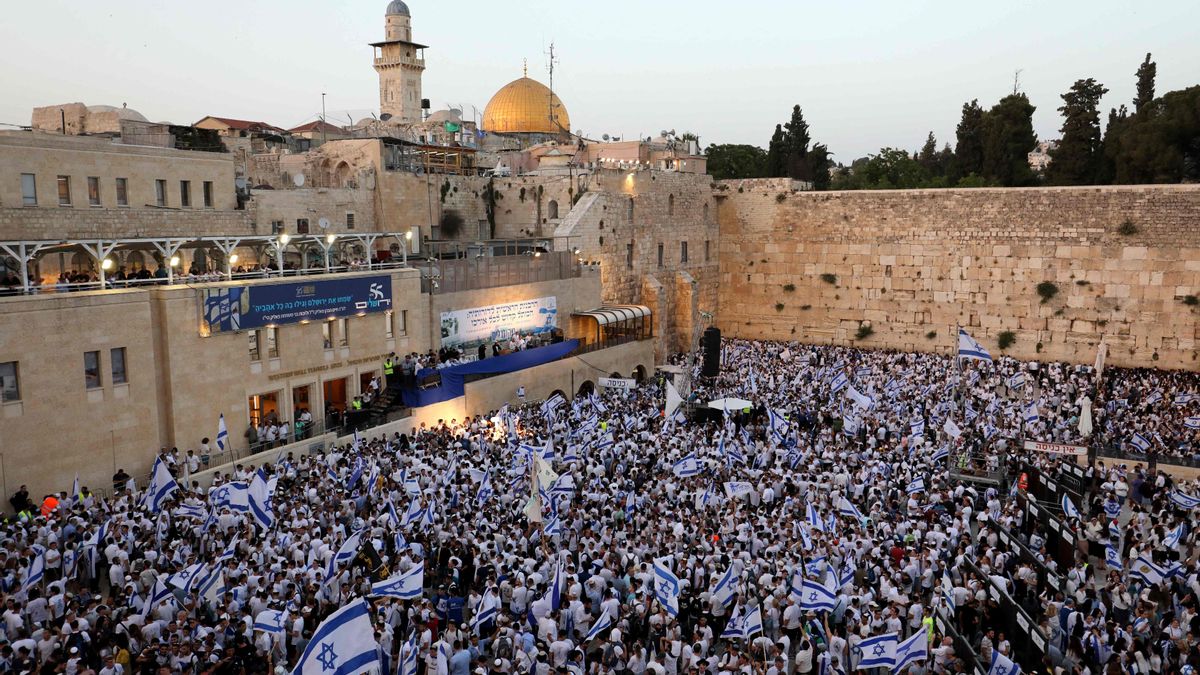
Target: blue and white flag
{"points": [[951, 428], [815, 597], [969, 348], [222, 434], [1184, 501], [1068, 507], [160, 593], [485, 490], [161, 487], [877, 652], [737, 488], [1192, 422], [917, 429], [602, 624], [838, 383], [666, 587], [1002, 665], [406, 586], [915, 648], [37, 572], [344, 644], [948, 590], [1174, 537], [185, 578], [1112, 558], [848, 509], [725, 589], [862, 400], [846, 576], [409, 650], [915, 486], [752, 622], [271, 621], [553, 525], [733, 627], [1112, 508], [235, 495], [814, 518], [1184, 398], [1140, 442], [346, 553], [230, 553], [260, 499], [1031, 414], [942, 453], [686, 467], [191, 511], [1016, 381], [1114, 532], [489, 608], [557, 584], [1148, 571]]}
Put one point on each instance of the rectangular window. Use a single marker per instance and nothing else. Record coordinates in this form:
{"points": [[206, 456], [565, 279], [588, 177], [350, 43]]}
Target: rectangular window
{"points": [[10, 385], [91, 370], [185, 193], [64, 190], [276, 226], [707, 250], [28, 189], [660, 255], [389, 330], [327, 334], [122, 192], [302, 226], [255, 354], [349, 221], [273, 342], [160, 192], [629, 256], [343, 330], [683, 252], [116, 358], [208, 194], [402, 322], [93, 191]]}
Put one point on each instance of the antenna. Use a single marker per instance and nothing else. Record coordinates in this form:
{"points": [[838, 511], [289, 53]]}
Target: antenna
{"points": [[1017, 80], [550, 66]]}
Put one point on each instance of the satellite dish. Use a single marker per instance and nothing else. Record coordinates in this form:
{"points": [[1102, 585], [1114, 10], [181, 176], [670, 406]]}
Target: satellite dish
{"points": [[606, 137], [298, 180], [240, 183], [323, 223], [385, 116]]}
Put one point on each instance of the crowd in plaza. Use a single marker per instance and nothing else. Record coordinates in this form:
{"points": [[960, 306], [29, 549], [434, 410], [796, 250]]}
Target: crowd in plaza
{"points": [[831, 524]]}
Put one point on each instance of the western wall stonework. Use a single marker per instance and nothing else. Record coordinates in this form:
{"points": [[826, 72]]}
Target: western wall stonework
{"points": [[821, 267]]}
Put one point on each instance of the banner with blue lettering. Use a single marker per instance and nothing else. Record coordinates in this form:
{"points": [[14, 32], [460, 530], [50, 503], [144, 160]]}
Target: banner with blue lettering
{"points": [[234, 308]]}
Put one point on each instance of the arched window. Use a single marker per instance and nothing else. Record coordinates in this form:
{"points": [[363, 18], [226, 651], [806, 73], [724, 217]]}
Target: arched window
{"points": [[341, 177], [706, 212], [670, 205], [552, 210]]}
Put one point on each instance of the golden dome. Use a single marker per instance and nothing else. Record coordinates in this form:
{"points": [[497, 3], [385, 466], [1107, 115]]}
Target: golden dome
{"points": [[524, 106]]}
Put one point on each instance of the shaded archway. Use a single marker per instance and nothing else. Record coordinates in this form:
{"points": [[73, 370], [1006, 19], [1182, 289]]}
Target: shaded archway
{"points": [[586, 389], [552, 209], [639, 374], [341, 176]]}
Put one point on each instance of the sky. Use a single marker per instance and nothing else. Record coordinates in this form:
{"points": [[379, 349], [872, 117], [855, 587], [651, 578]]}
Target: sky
{"points": [[868, 73]]}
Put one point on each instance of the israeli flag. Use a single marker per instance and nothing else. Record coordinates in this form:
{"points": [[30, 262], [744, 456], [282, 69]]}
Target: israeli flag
{"points": [[271, 621], [191, 511], [849, 510], [814, 518], [737, 488], [733, 628], [1184, 501], [487, 611], [915, 648], [1173, 537], [406, 586], [185, 578], [951, 428], [1184, 398], [1192, 422], [892, 388], [1140, 442], [1002, 665], [37, 572], [1145, 569], [1112, 558], [846, 576], [838, 383], [969, 348], [688, 466], [877, 652], [1016, 381], [917, 428], [260, 499], [1031, 414], [481, 497], [1112, 508], [941, 454], [816, 597], [1114, 532], [948, 590], [161, 487], [229, 553], [409, 651], [1068, 507], [862, 400], [222, 434], [666, 587], [345, 553], [160, 593], [344, 644], [915, 486], [1154, 397], [725, 589], [602, 624]]}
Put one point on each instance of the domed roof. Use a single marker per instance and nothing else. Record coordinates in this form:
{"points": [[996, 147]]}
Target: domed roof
{"points": [[398, 7], [122, 112], [524, 106]]}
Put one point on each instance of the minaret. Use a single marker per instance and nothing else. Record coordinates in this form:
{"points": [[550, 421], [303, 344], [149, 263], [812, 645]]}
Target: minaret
{"points": [[399, 62]]}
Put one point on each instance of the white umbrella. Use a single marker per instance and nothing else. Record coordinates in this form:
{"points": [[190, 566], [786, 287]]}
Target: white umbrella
{"points": [[730, 404], [1085, 416]]}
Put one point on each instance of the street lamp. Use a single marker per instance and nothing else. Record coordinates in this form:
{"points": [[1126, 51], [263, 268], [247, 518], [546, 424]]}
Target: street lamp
{"points": [[407, 238], [283, 241], [229, 262], [105, 266]]}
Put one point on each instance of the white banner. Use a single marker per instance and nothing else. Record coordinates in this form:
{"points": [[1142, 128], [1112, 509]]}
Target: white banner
{"points": [[617, 383], [1057, 448], [467, 328]]}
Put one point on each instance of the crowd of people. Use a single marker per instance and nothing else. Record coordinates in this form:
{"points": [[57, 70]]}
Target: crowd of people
{"points": [[822, 527]]}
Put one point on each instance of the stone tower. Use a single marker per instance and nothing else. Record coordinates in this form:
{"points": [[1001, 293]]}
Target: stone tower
{"points": [[399, 62]]}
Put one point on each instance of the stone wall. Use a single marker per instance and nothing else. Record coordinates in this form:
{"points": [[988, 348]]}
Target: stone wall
{"points": [[913, 264]]}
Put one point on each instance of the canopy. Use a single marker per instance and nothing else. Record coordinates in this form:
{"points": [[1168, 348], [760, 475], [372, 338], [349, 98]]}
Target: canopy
{"points": [[730, 404]]}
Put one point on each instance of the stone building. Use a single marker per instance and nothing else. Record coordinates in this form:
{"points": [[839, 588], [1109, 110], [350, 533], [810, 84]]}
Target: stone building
{"points": [[400, 63]]}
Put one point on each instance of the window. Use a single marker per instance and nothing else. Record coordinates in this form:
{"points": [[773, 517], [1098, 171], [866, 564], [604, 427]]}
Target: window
{"points": [[683, 252], [670, 205], [208, 194], [389, 330], [10, 385], [343, 330], [64, 190], [185, 193], [349, 221], [93, 191], [327, 334], [160, 192], [629, 256], [28, 189], [276, 226], [122, 192], [302, 226], [91, 370], [116, 358], [707, 249], [631, 209], [402, 323], [273, 342], [660, 255], [255, 354]]}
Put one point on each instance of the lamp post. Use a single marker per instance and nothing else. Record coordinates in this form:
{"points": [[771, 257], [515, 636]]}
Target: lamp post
{"points": [[230, 261], [105, 266], [279, 245], [329, 239], [407, 238], [172, 263]]}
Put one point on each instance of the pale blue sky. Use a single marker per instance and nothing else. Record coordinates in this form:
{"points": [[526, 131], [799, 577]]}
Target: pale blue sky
{"points": [[868, 73]]}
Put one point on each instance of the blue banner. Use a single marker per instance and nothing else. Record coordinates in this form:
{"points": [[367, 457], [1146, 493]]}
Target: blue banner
{"points": [[234, 308]]}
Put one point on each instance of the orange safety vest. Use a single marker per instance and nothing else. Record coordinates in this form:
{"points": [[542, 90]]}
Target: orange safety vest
{"points": [[49, 506], [1023, 483]]}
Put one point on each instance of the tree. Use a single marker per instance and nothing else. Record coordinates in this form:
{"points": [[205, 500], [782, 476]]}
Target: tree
{"points": [[935, 162], [1077, 159], [1161, 144], [776, 166], [1145, 84], [968, 152], [796, 146], [1008, 139], [736, 161], [818, 166]]}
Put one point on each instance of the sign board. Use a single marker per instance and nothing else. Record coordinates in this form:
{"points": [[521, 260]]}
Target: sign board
{"points": [[623, 383], [234, 308], [469, 328], [1057, 448]]}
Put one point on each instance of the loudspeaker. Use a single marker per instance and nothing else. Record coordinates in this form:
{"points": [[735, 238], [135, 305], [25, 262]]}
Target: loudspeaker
{"points": [[712, 352]]}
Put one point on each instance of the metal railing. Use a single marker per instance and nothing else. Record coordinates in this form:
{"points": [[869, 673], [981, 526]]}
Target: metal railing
{"points": [[469, 274]]}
